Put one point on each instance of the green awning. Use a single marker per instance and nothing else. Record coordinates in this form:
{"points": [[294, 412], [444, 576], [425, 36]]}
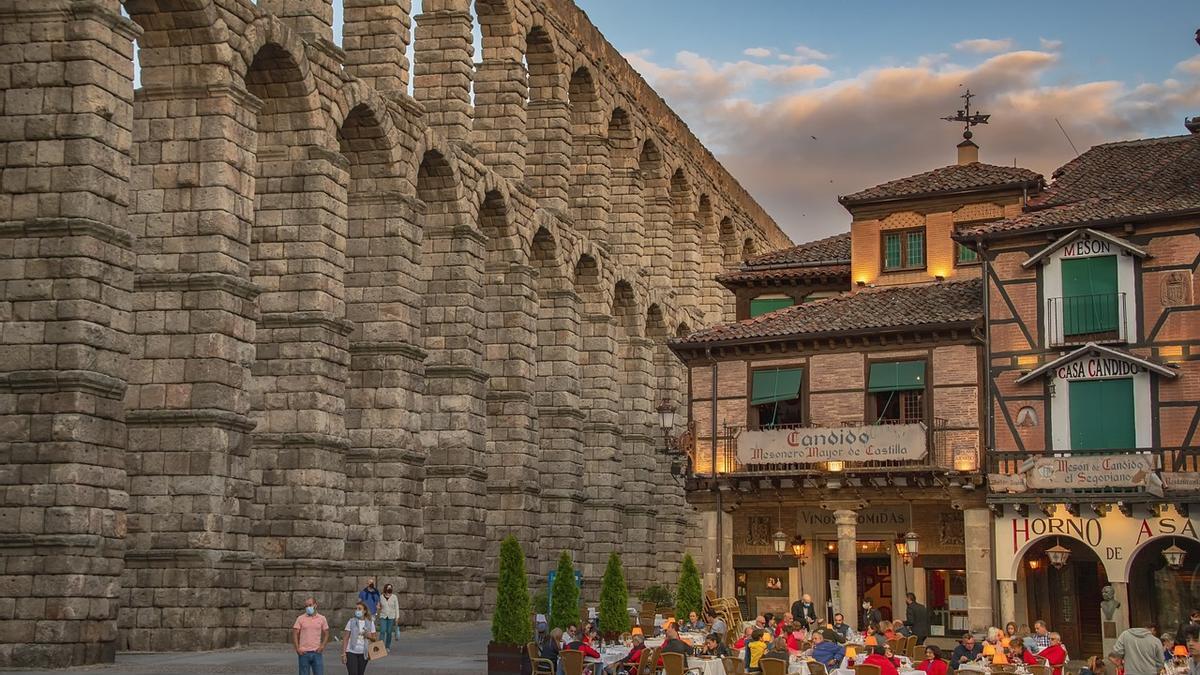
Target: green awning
{"points": [[897, 376], [777, 384], [760, 306]]}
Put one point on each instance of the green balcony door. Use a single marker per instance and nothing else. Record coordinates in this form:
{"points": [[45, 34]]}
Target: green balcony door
{"points": [[1102, 414], [1089, 295]]}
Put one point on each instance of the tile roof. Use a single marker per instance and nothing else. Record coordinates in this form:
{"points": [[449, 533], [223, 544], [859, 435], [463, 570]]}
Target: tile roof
{"points": [[789, 273], [872, 309], [835, 249], [820, 259], [951, 178], [1110, 183]]}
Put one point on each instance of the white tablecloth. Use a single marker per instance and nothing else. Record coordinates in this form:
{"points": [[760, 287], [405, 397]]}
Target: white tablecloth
{"points": [[707, 666]]}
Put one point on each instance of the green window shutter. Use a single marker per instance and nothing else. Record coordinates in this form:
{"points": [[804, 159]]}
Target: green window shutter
{"points": [[769, 386], [966, 255], [897, 376], [891, 251], [1102, 414], [760, 306], [916, 249], [1089, 303]]}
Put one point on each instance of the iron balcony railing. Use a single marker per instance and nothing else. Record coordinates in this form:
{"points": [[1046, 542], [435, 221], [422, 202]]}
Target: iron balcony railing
{"points": [[939, 457], [1177, 470], [1078, 319]]}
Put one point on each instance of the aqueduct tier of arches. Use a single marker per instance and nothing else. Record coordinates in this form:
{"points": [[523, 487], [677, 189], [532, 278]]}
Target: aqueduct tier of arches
{"points": [[270, 324]]}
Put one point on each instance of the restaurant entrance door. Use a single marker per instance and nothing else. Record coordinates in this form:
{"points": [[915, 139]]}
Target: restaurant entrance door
{"points": [[1067, 598], [874, 571], [762, 590]]}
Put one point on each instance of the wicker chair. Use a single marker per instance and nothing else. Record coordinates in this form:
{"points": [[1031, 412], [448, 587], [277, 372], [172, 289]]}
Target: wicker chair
{"points": [[773, 666], [1040, 669], [910, 644], [734, 665], [860, 669], [541, 666], [675, 663], [815, 668], [571, 661]]}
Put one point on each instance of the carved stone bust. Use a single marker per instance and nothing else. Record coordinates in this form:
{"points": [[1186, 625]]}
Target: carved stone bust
{"points": [[1109, 604]]}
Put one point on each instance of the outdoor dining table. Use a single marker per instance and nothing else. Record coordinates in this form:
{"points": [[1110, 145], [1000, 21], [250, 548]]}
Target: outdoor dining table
{"points": [[706, 666]]}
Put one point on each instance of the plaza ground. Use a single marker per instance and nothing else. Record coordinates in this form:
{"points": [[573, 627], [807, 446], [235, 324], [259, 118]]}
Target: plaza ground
{"points": [[441, 649]]}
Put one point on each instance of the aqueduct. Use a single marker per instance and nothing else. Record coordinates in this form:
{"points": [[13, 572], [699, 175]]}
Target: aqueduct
{"points": [[271, 323]]}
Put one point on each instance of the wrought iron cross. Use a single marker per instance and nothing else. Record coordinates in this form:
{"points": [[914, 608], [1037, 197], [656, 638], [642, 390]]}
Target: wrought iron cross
{"points": [[968, 118]]}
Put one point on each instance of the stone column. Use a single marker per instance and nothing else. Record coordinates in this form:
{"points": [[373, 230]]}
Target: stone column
{"points": [[656, 257], [1008, 602], [375, 37], [627, 225], [977, 527], [686, 261], [312, 19], [499, 127], [66, 277], [589, 186], [602, 475], [638, 444], [847, 534], [454, 422], [548, 129], [443, 68]]}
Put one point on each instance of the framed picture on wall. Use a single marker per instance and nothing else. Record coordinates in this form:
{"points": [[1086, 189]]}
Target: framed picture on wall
{"points": [[774, 583]]}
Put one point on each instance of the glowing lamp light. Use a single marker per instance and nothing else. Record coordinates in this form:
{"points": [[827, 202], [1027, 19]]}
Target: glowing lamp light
{"points": [[1058, 555], [1180, 652], [1174, 556], [800, 549], [851, 652], [913, 542], [835, 466], [1034, 563]]}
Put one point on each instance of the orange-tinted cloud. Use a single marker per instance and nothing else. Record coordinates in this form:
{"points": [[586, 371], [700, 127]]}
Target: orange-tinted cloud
{"points": [[797, 148]]}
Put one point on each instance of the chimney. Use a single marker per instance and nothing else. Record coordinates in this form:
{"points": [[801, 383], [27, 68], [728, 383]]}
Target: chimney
{"points": [[968, 152]]}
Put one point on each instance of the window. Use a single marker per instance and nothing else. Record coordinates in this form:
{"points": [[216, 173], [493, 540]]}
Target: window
{"points": [[904, 250], [1102, 414], [897, 391], [764, 304], [1089, 303], [775, 396], [964, 255]]}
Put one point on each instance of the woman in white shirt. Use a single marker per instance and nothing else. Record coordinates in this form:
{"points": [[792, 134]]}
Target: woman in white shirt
{"points": [[360, 630], [389, 613]]}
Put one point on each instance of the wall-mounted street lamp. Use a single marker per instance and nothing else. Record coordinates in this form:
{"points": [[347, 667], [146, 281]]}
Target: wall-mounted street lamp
{"points": [[800, 550]]}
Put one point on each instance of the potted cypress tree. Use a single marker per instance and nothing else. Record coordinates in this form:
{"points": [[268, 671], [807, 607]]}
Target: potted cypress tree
{"points": [[689, 595], [614, 600], [511, 625], [564, 595]]}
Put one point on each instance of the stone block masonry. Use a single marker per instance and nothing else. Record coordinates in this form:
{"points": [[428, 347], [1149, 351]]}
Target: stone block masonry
{"points": [[270, 325]]}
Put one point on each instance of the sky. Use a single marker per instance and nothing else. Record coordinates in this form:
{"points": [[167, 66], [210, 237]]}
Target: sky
{"points": [[804, 101]]}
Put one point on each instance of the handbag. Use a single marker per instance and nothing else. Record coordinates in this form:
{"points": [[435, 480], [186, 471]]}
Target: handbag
{"points": [[376, 650]]}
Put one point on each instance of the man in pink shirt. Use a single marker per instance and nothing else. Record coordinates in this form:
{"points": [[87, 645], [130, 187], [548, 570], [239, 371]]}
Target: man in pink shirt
{"points": [[309, 635]]}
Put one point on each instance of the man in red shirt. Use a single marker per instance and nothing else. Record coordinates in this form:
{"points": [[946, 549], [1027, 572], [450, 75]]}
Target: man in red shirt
{"points": [[1055, 654], [877, 658], [310, 633]]}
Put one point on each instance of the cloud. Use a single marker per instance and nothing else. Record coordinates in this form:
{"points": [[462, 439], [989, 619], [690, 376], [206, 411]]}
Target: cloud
{"points": [[1190, 66], [757, 52], [804, 53], [1050, 45], [984, 45], [883, 122]]}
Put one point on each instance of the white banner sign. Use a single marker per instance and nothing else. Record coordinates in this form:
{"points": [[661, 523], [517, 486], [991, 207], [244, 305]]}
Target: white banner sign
{"points": [[1096, 368], [1090, 471], [875, 443]]}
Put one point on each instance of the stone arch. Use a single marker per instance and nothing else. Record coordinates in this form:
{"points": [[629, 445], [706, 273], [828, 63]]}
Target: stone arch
{"points": [[683, 330], [749, 248], [656, 324], [727, 233], [590, 186], [655, 241], [171, 27]]}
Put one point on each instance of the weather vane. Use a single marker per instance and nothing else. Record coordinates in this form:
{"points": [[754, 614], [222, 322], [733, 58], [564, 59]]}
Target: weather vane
{"points": [[968, 118]]}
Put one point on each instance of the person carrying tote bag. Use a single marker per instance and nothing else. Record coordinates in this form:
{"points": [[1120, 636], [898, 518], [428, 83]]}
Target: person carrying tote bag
{"points": [[360, 630]]}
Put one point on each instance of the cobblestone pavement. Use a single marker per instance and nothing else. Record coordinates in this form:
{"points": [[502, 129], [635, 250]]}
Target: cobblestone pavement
{"points": [[442, 649]]}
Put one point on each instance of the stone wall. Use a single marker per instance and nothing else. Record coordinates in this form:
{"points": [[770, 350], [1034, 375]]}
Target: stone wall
{"points": [[270, 324]]}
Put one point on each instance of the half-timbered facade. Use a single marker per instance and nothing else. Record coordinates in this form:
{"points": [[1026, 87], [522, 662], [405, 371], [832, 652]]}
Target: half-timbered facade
{"points": [[837, 418], [1094, 343]]}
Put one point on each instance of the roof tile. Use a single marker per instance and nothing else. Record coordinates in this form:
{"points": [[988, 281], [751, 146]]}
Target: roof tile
{"points": [[946, 179], [871, 309]]}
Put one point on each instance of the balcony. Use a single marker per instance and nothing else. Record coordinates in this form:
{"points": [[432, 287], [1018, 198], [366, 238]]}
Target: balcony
{"points": [[1162, 471], [939, 457], [1080, 319]]}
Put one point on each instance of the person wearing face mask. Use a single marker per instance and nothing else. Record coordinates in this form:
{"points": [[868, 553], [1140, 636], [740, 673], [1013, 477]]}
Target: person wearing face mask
{"points": [[369, 596], [360, 630], [389, 613], [310, 633]]}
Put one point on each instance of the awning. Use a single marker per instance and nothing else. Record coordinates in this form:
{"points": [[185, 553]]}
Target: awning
{"points": [[776, 384], [897, 376]]}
